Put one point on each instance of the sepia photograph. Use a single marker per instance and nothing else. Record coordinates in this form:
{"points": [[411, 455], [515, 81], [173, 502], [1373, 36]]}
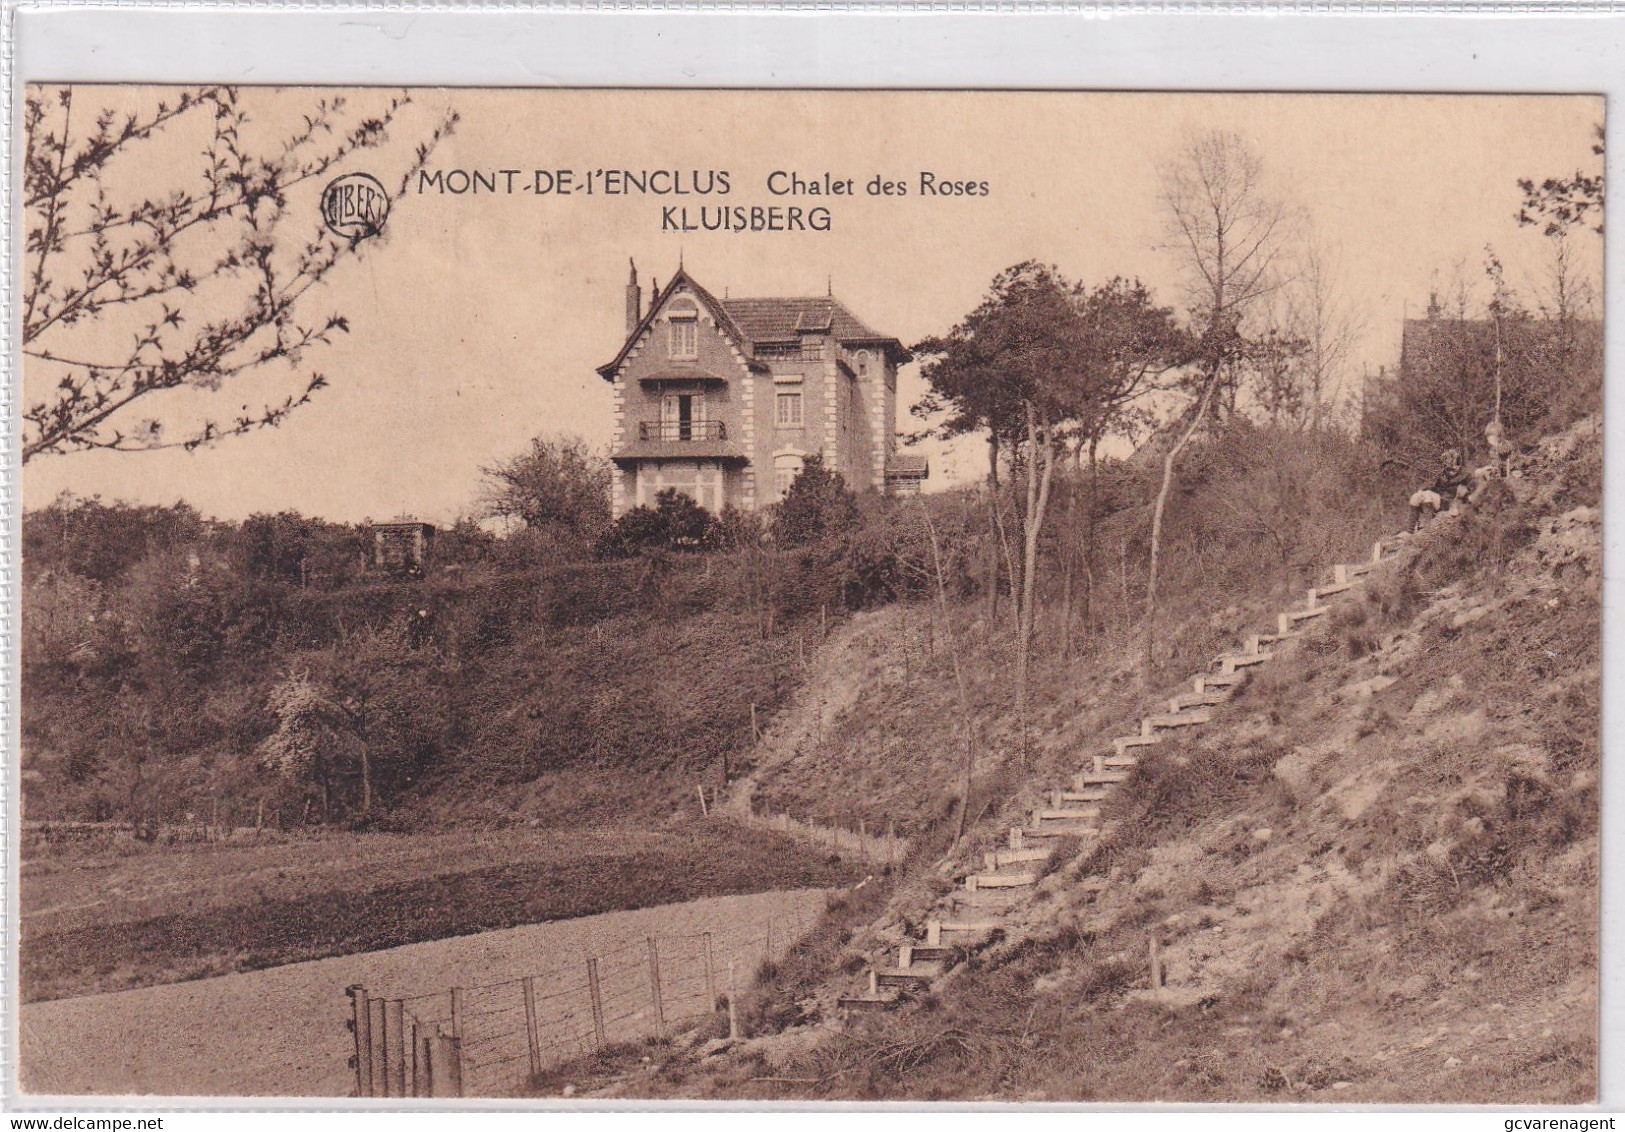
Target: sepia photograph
{"points": [[758, 596]]}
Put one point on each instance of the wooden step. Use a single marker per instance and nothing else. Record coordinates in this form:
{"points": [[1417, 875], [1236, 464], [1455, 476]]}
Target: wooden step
{"points": [[1123, 742], [1334, 589], [912, 955], [1001, 857], [1306, 614], [979, 882], [985, 901], [1122, 761], [1098, 778], [1082, 794], [1219, 680], [1193, 718], [914, 976], [1359, 570], [866, 1002], [1057, 829], [1233, 661], [1068, 813], [1210, 698], [966, 927]]}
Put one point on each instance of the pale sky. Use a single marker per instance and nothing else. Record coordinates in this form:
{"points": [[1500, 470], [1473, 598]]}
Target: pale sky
{"points": [[477, 320]]}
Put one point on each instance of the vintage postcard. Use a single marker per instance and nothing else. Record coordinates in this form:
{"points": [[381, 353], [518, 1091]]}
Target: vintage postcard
{"points": [[758, 596]]}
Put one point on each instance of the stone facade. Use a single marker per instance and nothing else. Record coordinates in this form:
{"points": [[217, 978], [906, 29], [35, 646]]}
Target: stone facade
{"points": [[725, 399]]}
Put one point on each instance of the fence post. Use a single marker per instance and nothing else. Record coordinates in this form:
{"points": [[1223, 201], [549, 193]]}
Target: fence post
{"points": [[1156, 967], [654, 988], [361, 1027], [597, 1002], [380, 1048], [704, 811], [428, 1058], [457, 1013], [447, 1065], [395, 1011], [733, 1012], [769, 954], [533, 1041], [710, 979], [416, 1088]]}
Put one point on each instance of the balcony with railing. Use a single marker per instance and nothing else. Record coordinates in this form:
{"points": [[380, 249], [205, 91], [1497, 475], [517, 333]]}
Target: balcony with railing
{"points": [[682, 431]]}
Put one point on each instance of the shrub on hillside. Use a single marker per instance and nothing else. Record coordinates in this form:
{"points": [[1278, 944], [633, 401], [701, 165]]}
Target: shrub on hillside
{"points": [[675, 522], [888, 555], [818, 506]]}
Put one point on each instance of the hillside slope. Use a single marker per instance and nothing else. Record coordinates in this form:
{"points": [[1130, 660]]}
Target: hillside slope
{"points": [[1374, 879]]}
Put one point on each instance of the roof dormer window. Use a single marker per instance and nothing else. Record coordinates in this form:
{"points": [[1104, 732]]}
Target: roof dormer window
{"points": [[683, 323]]}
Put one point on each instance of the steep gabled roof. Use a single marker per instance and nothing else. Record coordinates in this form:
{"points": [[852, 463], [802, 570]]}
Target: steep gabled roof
{"points": [[716, 309], [752, 321]]}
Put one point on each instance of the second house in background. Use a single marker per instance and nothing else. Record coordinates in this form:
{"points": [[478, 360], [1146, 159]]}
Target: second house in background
{"points": [[725, 399]]}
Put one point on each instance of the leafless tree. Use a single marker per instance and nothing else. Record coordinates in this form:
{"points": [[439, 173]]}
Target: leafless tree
{"points": [[1231, 232], [169, 241], [1328, 322]]}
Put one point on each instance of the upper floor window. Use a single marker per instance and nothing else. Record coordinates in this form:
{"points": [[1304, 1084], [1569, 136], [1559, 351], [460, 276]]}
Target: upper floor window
{"points": [[683, 319], [789, 410]]}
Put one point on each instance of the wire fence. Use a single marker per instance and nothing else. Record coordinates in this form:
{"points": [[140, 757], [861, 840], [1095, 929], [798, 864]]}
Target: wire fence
{"points": [[877, 848], [489, 1039]]}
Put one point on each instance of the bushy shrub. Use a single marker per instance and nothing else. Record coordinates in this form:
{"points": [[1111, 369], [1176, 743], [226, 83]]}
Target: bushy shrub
{"points": [[818, 506], [675, 522]]}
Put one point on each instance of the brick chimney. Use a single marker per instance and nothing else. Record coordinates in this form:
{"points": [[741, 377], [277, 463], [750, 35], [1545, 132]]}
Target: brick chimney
{"points": [[634, 301]]}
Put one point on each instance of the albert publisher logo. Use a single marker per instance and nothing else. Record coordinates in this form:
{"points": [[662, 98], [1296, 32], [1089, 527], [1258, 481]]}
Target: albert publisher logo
{"points": [[355, 206]]}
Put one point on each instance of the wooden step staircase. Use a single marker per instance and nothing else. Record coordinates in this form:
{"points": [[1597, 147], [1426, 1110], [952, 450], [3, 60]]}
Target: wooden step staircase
{"points": [[1011, 873]]}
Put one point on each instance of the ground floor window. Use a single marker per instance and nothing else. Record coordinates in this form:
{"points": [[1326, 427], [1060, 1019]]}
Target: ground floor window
{"points": [[785, 470], [700, 480]]}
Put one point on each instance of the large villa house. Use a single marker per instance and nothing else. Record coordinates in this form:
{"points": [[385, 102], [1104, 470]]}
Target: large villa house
{"points": [[724, 399]]}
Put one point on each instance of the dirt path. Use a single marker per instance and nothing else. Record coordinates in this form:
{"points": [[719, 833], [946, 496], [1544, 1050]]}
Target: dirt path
{"points": [[854, 658], [281, 1032]]}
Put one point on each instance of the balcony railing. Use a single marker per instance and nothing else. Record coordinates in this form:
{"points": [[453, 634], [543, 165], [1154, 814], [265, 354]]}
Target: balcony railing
{"points": [[682, 430]]}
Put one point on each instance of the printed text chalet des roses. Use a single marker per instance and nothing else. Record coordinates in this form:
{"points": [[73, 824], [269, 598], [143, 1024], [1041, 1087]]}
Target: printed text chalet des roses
{"points": [[712, 200]]}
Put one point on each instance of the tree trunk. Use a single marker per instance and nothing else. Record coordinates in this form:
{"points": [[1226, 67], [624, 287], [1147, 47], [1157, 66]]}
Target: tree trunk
{"points": [[1068, 571], [1089, 534], [992, 529], [965, 717], [1040, 469], [1004, 548], [1156, 517]]}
